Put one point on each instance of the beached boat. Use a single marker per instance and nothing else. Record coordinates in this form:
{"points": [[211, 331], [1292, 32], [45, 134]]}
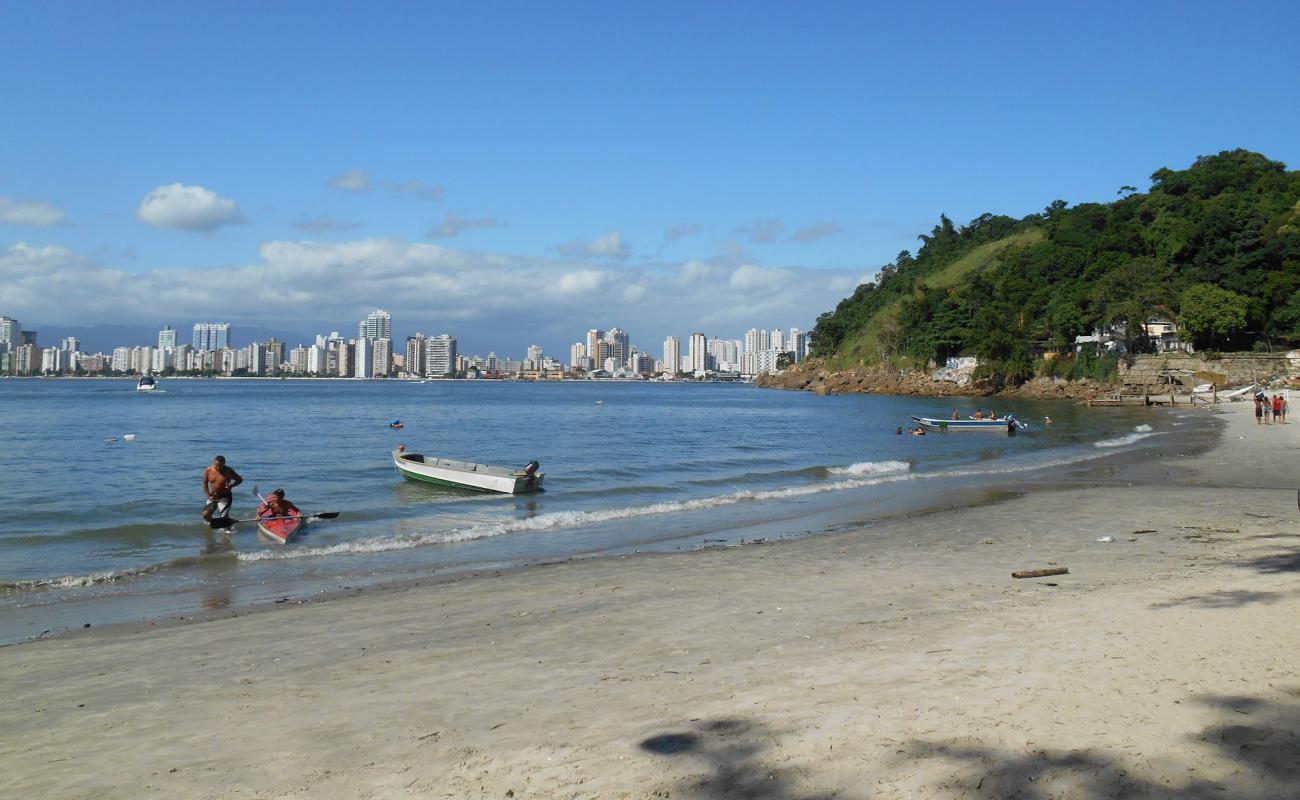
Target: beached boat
{"points": [[1008, 424], [147, 384], [467, 474], [279, 529]]}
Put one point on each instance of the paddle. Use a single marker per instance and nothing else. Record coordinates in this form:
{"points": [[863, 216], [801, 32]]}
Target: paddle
{"points": [[227, 522]]}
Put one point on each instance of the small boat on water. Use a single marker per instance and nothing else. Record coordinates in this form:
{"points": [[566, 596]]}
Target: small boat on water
{"points": [[467, 474], [147, 384], [1008, 424], [279, 529]]}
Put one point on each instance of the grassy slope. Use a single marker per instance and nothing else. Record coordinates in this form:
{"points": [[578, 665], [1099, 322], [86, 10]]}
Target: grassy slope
{"points": [[863, 347]]}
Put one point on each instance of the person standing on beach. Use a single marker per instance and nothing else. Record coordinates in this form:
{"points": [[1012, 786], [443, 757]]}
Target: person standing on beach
{"points": [[1277, 408], [219, 481], [1284, 408], [1259, 410]]}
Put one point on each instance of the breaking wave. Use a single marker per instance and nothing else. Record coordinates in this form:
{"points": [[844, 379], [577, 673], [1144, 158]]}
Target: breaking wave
{"points": [[1139, 433]]}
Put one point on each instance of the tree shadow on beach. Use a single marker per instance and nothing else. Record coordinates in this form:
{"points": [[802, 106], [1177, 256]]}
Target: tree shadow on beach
{"points": [[731, 753], [1225, 599], [1257, 746]]}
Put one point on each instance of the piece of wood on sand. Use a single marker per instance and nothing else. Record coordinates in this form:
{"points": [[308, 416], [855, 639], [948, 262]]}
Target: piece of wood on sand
{"points": [[1041, 573]]}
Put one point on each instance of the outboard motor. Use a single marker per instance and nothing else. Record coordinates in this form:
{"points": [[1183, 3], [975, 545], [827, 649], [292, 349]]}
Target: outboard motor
{"points": [[531, 468]]}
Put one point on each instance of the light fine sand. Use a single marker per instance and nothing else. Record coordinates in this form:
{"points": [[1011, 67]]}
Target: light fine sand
{"points": [[1162, 665]]}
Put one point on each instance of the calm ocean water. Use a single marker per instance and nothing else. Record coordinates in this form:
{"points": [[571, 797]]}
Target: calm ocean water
{"points": [[92, 531]]}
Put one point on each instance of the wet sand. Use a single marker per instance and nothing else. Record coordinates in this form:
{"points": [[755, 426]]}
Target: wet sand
{"points": [[1162, 665]]}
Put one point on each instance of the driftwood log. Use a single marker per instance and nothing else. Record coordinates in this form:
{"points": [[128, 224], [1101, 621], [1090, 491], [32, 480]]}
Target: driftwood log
{"points": [[1041, 573]]}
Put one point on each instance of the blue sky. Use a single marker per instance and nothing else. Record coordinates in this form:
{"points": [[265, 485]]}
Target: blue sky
{"points": [[515, 173]]}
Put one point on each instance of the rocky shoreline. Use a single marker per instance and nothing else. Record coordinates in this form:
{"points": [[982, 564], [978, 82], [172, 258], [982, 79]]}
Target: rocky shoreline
{"points": [[812, 376]]}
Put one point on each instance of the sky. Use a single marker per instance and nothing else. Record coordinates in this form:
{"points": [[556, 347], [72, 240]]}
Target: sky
{"points": [[516, 173]]}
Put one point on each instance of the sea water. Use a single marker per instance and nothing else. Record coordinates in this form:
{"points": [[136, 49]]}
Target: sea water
{"points": [[101, 495]]}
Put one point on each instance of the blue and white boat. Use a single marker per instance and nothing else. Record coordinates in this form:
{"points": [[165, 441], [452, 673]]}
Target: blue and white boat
{"points": [[1008, 424]]}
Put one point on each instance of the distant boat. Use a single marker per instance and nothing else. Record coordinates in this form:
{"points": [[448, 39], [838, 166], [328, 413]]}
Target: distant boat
{"points": [[1008, 424], [147, 384], [467, 474]]}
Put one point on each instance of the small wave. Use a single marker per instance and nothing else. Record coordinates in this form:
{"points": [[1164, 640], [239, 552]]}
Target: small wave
{"points": [[573, 519], [1143, 429], [97, 578], [1131, 438], [871, 468]]}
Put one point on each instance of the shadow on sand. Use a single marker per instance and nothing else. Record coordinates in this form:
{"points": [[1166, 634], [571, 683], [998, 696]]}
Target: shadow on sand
{"points": [[1251, 753]]}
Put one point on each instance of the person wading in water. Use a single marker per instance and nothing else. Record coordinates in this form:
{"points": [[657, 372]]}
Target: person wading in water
{"points": [[218, 482]]}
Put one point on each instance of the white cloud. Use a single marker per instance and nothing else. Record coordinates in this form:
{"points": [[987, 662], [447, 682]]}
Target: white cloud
{"points": [[33, 214], [353, 180], [751, 279], [189, 208], [609, 245], [581, 282], [454, 223]]}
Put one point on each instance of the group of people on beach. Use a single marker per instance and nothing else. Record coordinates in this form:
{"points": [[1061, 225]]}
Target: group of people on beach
{"points": [[219, 482], [1264, 406]]}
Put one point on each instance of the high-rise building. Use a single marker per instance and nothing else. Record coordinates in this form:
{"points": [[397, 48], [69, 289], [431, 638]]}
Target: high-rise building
{"points": [[167, 338], [318, 360], [211, 335], [11, 331], [619, 345], [798, 344], [757, 339], [363, 360], [777, 340], [416, 355], [672, 355], [441, 358], [699, 352], [533, 359], [382, 358], [70, 344], [578, 356], [594, 338], [345, 354], [378, 325]]}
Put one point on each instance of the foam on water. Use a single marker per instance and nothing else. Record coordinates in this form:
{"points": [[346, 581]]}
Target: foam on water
{"points": [[1140, 432], [870, 468]]}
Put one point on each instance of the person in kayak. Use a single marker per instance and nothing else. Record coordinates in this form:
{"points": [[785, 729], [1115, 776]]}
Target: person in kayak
{"points": [[219, 480], [277, 506]]}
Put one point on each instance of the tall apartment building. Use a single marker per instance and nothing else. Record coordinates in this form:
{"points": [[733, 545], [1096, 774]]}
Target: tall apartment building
{"points": [[441, 358], [377, 325], [757, 339], [619, 346], [778, 342], [167, 338], [383, 357], [699, 352], [798, 344], [578, 356], [211, 335], [673, 355], [363, 359], [11, 332], [416, 355]]}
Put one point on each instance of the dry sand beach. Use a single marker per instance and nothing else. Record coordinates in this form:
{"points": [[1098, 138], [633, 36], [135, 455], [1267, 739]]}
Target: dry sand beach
{"points": [[1162, 665]]}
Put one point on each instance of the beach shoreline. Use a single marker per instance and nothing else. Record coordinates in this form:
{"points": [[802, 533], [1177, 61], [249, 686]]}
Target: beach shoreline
{"points": [[819, 666]]}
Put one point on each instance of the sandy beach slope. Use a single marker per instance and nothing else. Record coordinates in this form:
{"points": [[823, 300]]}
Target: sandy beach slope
{"points": [[897, 661]]}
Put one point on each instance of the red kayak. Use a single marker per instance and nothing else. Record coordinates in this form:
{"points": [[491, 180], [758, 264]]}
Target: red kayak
{"points": [[279, 529]]}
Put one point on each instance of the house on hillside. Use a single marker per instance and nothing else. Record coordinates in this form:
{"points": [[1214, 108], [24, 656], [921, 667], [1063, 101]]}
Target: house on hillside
{"points": [[1162, 333]]}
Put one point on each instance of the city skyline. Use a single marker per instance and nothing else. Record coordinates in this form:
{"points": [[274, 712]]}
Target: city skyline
{"points": [[675, 192]]}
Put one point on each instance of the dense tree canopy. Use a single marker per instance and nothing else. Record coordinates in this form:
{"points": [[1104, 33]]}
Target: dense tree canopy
{"points": [[1215, 247]]}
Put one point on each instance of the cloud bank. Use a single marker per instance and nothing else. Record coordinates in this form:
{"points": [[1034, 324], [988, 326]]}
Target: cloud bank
{"points": [[489, 301]]}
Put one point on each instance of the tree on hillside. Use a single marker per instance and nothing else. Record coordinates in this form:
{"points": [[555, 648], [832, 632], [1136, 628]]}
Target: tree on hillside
{"points": [[1212, 315]]}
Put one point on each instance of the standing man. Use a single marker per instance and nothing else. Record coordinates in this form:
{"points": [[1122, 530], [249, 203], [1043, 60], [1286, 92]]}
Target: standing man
{"points": [[218, 482]]}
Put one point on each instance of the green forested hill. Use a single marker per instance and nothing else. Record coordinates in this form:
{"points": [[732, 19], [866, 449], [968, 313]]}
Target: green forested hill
{"points": [[1215, 246]]}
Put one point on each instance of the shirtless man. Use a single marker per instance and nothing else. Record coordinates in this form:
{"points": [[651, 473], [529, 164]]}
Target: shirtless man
{"points": [[218, 481]]}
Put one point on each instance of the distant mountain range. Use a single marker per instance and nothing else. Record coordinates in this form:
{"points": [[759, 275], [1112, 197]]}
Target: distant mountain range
{"points": [[103, 338]]}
